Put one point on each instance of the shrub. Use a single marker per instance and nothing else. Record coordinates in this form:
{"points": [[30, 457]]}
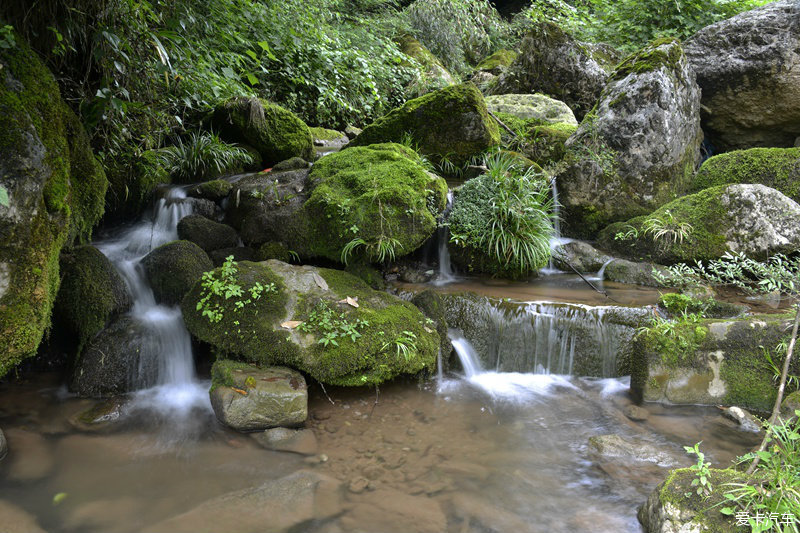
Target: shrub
{"points": [[201, 157]]}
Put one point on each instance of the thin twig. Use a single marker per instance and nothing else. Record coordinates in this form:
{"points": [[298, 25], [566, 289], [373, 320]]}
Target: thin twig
{"points": [[326, 393], [589, 283], [509, 130], [375, 404]]}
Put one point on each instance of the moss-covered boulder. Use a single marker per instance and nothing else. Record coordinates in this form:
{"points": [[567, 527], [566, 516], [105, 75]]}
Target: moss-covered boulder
{"points": [[497, 62], [207, 234], [546, 144], [248, 398], [638, 148], [276, 133], [239, 253], [554, 63], [750, 219], [91, 295], [214, 190], [547, 110], [327, 323], [173, 268], [675, 507], [51, 193], [450, 123], [778, 168], [678, 304], [710, 362], [432, 74]]}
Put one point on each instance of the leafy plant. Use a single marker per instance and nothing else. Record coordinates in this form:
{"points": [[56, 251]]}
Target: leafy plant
{"points": [[702, 471], [203, 155], [666, 230], [225, 285], [3, 196], [404, 344], [7, 39], [381, 250], [332, 326], [630, 233]]}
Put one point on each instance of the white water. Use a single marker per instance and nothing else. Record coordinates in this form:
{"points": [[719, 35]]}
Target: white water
{"points": [[174, 387], [600, 276], [506, 386], [556, 240], [447, 273]]}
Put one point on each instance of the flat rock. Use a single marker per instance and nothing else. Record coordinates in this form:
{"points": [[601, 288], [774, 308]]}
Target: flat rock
{"points": [[302, 441], [17, 520]]}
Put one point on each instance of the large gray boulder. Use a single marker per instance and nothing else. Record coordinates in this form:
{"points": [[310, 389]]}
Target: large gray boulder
{"points": [[536, 106], [248, 398], [749, 70], [554, 63], [639, 147]]}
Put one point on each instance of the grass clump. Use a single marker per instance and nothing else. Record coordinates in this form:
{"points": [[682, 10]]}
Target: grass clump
{"points": [[202, 156]]}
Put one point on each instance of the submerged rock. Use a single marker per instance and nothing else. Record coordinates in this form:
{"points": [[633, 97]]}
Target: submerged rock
{"points": [[391, 511], [638, 148], [532, 106], [173, 268], [378, 336], [92, 293], [276, 133], [3, 446], [751, 219], [552, 62], [302, 441], [30, 457], [51, 193], [99, 418], [278, 506], [710, 362], [207, 234], [247, 398], [751, 86], [17, 520], [627, 448], [451, 122]]}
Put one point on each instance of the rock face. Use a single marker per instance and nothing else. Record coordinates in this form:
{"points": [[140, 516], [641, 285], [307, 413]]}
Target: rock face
{"points": [[277, 506], [377, 340], [498, 62], [247, 398], [207, 234], [711, 362], [451, 122], [91, 295], [107, 365], [370, 197], [276, 133], [750, 219], [778, 168], [173, 268], [639, 148], [674, 507], [51, 193], [554, 63], [751, 86], [528, 106]]}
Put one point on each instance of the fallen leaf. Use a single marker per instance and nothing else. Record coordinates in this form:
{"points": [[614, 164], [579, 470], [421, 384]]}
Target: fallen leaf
{"points": [[291, 324], [349, 301], [320, 281], [60, 497], [240, 391]]}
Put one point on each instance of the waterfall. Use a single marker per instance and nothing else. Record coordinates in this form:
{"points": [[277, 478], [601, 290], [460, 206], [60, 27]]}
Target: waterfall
{"points": [[168, 349], [446, 272], [556, 240]]}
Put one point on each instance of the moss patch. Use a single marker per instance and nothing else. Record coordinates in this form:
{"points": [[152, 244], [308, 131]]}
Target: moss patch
{"points": [[666, 52], [324, 134], [498, 60], [173, 268]]}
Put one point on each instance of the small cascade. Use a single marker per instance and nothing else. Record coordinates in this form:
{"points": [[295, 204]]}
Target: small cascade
{"points": [[556, 240], [167, 364], [600, 276], [446, 273], [467, 355]]}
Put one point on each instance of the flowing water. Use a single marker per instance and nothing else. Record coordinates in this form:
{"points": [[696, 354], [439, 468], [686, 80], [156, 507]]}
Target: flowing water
{"points": [[446, 273]]}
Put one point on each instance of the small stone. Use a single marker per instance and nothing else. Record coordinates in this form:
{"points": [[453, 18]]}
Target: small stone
{"points": [[301, 441], [99, 418], [358, 485], [634, 412], [746, 421], [373, 472]]}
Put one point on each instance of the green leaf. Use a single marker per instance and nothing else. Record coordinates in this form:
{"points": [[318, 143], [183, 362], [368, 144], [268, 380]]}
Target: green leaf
{"points": [[3, 196], [252, 79]]}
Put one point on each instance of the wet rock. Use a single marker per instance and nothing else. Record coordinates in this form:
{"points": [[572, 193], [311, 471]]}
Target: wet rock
{"points": [[3, 446], [432, 306], [745, 420], [528, 106], [352, 132], [473, 508], [30, 457], [791, 403], [712, 362], [617, 446], [638, 148], [100, 418], [754, 220], [247, 398], [553, 62], [207, 234], [276, 133], [633, 273], [390, 511], [204, 208], [91, 295], [121, 358], [301, 441], [17, 520], [636, 413], [751, 87], [173, 268], [107, 515], [579, 255], [277, 506], [214, 190], [451, 121]]}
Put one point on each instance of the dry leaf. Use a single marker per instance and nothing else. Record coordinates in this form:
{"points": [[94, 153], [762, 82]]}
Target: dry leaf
{"points": [[350, 301], [240, 391], [320, 282], [290, 324]]}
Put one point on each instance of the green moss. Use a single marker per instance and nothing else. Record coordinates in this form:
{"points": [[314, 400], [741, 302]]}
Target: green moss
{"points": [[452, 122], [676, 346], [501, 58], [678, 304], [214, 190], [222, 372], [274, 250], [778, 168], [666, 52], [324, 134], [375, 193], [545, 144], [276, 133], [173, 268], [367, 274]]}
